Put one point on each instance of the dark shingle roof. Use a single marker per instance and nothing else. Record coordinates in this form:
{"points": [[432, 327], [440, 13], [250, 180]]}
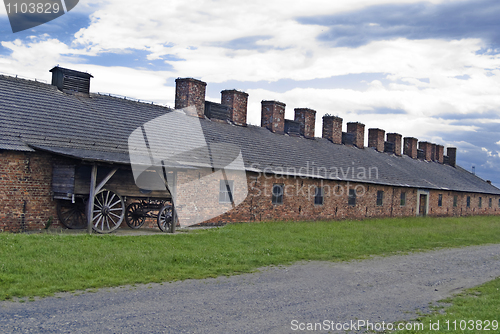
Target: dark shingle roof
{"points": [[34, 115]]}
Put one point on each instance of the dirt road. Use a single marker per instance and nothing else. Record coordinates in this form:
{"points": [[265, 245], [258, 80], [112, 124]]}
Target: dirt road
{"points": [[274, 300]]}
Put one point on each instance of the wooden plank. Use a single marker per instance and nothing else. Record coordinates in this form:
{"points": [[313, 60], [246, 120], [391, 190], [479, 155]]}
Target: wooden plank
{"points": [[106, 179], [90, 206], [122, 183], [63, 179]]}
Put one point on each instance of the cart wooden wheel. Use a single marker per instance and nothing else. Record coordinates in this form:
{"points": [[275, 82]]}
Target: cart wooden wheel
{"points": [[108, 211], [165, 218], [134, 215], [72, 215]]}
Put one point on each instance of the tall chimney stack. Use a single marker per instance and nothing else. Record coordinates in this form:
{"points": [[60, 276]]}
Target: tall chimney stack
{"points": [[376, 139], [358, 130], [307, 119], [433, 152], [451, 152], [395, 138], [190, 95], [273, 116], [237, 102], [440, 153], [332, 129], [427, 148], [410, 148]]}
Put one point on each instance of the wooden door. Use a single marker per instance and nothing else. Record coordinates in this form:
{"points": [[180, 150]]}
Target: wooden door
{"points": [[423, 205]]}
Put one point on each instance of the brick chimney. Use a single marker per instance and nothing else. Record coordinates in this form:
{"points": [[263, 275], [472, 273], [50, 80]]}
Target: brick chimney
{"points": [[440, 153], [273, 116], [395, 138], [410, 148], [307, 119], [376, 139], [433, 152], [332, 129], [427, 148], [237, 102], [451, 152], [358, 130], [190, 92]]}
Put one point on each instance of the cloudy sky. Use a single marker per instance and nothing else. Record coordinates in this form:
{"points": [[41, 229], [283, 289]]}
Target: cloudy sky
{"points": [[425, 69]]}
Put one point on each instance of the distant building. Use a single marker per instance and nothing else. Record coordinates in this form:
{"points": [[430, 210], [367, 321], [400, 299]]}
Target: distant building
{"points": [[52, 136]]}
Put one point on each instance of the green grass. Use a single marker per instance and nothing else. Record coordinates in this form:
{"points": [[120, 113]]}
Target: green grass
{"points": [[473, 311], [42, 264]]}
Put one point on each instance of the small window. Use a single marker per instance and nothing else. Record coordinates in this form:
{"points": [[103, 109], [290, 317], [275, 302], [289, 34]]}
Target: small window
{"points": [[318, 196], [468, 201], [277, 194], [440, 200], [455, 201], [480, 202], [226, 189], [403, 199], [352, 197], [490, 204], [380, 198]]}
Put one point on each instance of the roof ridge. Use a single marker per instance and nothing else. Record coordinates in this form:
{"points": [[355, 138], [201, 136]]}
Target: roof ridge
{"points": [[27, 79]]}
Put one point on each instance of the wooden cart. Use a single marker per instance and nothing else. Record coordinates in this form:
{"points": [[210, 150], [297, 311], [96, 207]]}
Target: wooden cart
{"points": [[71, 185]]}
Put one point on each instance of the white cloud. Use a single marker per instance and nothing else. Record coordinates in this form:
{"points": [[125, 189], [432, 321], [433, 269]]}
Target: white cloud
{"points": [[35, 57], [196, 31]]}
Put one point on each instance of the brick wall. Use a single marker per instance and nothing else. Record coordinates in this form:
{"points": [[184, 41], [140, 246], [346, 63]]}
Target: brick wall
{"points": [[447, 207], [298, 201], [25, 191], [25, 194]]}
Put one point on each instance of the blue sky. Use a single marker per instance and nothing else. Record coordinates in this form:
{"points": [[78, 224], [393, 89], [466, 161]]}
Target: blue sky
{"points": [[425, 69]]}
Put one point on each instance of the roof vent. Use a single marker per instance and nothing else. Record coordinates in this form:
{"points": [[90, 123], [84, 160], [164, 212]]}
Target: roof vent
{"points": [[70, 81], [389, 147], [348, 138], [292, 128], [420, 154], [217, 111]]}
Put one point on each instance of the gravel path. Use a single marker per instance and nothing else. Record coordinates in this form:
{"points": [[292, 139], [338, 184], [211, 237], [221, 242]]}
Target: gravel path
{"points": [[379, 289]]}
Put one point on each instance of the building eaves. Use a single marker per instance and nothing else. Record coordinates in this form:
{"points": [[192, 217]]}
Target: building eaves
{"points": [[97, 128]]}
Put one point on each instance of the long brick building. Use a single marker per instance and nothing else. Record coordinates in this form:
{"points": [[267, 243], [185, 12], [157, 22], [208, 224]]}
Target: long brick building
{"points": [[61, 131]]}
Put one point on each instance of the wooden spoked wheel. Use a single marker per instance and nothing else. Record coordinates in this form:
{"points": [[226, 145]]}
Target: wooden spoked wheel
{"points": [[135, 215], [108, 211], [166, 218], [72, 215]]}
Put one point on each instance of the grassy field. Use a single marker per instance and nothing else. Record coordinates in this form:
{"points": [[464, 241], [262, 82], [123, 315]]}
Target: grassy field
{"points": [[473, 311], [42, 264]]}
